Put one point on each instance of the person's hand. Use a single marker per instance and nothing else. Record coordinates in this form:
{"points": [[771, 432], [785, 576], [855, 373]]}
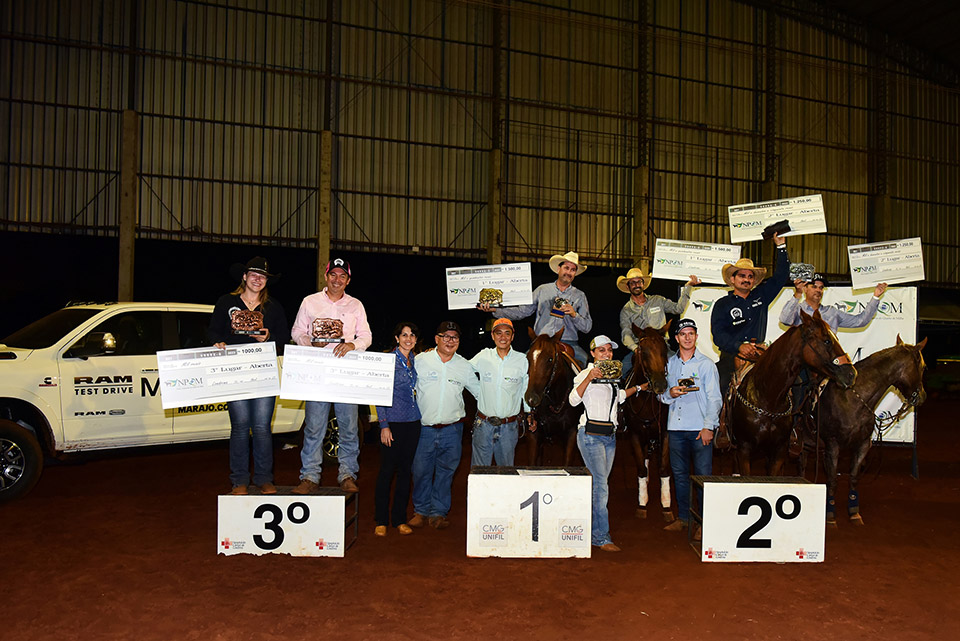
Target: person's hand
{"points": [[799, 284], [568, 310], [594, 373], [532, 422], [706, 436], [879, 289], [484, 307], [677, 391], [779, 240], [694, 280], [386, 436], [262, 337], [749, 351], [220, 345], [341, 350]]}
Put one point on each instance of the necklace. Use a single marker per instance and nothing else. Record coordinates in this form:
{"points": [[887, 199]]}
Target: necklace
{"points": [[250, 304]]}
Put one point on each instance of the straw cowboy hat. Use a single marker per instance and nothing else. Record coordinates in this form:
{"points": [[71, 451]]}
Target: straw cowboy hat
{"points": [[633, 273], [729, 270], [570, 257]]}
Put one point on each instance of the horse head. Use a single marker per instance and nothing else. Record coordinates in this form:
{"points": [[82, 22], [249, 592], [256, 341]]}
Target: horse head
{"points": [[650, 358], [822, 351], [546, 363], [909, 377]]}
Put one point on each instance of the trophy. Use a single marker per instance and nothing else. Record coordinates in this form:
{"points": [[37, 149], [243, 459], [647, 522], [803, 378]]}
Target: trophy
{"points": [[610, 371], [247, 322], [557, 304], [801, 271], [491, 297], [689, 384], [327, 330]]}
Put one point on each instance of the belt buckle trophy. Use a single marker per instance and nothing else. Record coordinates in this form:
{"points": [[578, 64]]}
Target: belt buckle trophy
{"points": [[610, 371], [247, 322], [327, 330], [559, 302], [492, 297]]}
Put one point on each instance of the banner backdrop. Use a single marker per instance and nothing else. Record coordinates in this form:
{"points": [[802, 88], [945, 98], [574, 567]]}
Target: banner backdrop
{"points": [[897, 315]]}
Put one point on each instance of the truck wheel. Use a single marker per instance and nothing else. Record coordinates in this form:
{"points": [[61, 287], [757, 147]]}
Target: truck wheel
{"points": [[21, 460], [331, 440]]}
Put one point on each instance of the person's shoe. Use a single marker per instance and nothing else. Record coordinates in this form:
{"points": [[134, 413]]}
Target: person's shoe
{"points": [[404, 529], [610, 547], [239, 490], [698, 534], [439, 522], [381, 530], [349, 485], [268, 488], [418, 520], [306, 487], [676, 525]]}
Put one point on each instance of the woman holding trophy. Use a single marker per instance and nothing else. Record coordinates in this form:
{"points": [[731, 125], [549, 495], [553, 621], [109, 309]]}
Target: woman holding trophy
{"points": [[249, 315]]}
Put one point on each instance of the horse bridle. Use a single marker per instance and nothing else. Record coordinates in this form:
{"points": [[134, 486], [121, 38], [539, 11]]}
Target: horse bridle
{"points": [[557, 356]]}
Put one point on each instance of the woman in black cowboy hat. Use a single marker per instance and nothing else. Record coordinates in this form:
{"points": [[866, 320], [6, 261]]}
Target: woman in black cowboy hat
{"points": [[249, 315]]}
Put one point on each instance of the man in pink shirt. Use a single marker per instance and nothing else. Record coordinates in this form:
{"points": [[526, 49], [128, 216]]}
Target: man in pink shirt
{"points": [[331, 319]]}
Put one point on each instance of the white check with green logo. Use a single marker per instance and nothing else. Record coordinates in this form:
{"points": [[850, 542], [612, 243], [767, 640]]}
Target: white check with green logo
{"points": [[198, 376], [804, 213], [893, 261], [464, 284], [678, 260]]}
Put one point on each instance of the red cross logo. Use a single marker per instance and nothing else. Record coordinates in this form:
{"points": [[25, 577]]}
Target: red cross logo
{"points": [[801, 554], [320, 544], [225, 544], [708, 553]]}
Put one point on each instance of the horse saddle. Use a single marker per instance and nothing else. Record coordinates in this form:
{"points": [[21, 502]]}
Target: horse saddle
{"points": [[724, 436], [567, 353]]}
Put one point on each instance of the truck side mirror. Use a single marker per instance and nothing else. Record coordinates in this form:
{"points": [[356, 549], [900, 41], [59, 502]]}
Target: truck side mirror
{"points": [[93, 344]]}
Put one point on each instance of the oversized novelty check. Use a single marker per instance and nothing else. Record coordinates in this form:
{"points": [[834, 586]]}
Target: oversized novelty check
{"points": [[317, 374], [678, 260], [893, 261], [804, 213], [198, 376], [464, 284]]}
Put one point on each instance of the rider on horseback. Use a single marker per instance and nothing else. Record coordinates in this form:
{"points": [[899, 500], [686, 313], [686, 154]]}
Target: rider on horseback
{"points": [[645, 311]]}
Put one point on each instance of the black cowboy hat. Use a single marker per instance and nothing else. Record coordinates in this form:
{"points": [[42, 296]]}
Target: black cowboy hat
{"points": [[257, 264]]}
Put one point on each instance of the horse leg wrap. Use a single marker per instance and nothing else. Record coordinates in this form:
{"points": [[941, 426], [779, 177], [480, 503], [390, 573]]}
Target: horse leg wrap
{"points": [[831, 509], [665, 491], [853, 503], [642, 497]]}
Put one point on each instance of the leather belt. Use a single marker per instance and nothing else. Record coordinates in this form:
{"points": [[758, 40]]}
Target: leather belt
{"points": [[441, 425], [495, 421]]}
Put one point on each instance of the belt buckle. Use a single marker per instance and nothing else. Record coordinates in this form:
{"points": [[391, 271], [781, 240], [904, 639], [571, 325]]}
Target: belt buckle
{"points": [[493, 420]]}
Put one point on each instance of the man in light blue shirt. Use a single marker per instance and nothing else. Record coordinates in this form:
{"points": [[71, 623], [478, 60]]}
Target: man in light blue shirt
{"points": [[812, 294], [503, 380], [442, 375], [694, 399], [573, 314]]}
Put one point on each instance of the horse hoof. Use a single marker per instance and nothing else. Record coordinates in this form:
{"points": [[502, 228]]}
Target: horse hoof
{"points": [[641, 513], [832, 524], [667, 516], [856, 519]]}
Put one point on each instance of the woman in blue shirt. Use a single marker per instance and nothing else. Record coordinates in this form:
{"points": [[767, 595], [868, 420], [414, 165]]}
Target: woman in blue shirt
{"points": [[399, 435]]}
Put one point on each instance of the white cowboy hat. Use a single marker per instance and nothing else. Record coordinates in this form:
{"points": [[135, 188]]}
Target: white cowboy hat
{"points": [[729, 270], [633, 273], [570, 257]]}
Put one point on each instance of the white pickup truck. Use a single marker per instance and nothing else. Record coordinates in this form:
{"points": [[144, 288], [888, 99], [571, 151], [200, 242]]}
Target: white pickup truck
{"points": [[85, 378]]}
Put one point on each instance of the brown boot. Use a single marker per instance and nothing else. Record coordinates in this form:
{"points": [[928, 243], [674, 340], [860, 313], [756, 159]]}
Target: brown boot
{"points": [[418, 520], [306, 487], [349, 485]]}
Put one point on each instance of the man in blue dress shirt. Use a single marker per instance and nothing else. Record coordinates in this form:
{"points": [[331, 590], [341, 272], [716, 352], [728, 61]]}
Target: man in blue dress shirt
{"points": [[573, 314]]}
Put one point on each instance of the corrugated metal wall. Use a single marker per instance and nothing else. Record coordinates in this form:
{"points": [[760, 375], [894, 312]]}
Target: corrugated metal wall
{"points": [[724, 101]]}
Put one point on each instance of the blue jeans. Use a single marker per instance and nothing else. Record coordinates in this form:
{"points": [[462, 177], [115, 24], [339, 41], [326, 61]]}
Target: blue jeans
{"points": [[494, 443], [598, 453], [437, 458], [311, 456], [684, 448], [579, 353], [246, 416]]}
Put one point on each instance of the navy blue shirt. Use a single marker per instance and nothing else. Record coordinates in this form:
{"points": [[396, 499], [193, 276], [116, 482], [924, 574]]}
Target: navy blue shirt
{"points": [[736, 320]]}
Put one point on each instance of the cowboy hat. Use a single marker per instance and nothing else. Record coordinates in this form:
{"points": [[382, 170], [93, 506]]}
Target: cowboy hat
{"points": [[258, 265], [633, 273], [570, 257], [729, 270]]}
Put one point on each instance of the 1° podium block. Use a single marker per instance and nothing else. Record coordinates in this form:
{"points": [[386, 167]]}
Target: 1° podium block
{"points": [[528, 512]]}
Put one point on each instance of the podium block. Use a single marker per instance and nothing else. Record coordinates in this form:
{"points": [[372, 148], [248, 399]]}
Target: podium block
{"points": [[316, 524], [528, 512]]}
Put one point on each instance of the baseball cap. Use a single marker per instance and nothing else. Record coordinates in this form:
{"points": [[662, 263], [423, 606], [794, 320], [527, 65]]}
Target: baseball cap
{"points": [[448, 326], [682, 324], [501, 321], [600, 341], [338, 261]]}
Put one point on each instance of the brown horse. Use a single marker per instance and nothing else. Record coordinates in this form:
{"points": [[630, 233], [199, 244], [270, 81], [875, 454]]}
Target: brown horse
{"points": [[551, 369], [646, 417], [762, 411], [846, 416]]}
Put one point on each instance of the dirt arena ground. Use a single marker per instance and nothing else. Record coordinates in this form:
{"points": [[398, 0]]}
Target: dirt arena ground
{"points": [[122, 546]]}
